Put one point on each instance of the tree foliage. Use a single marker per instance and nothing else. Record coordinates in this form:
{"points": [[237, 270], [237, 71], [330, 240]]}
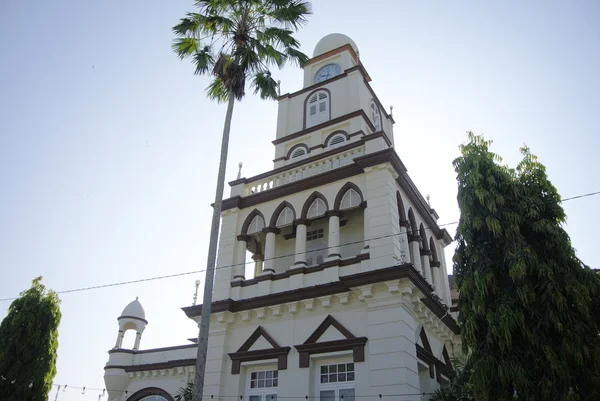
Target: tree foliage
{"points": [[527, 311], [28, 344], [236, 41], [460, 387], [185, 393]]}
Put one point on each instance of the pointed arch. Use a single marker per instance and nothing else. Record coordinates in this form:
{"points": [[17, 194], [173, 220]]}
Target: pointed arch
{"points": [[249, 219], [148, 391], [413, 222], [423, 235], [425, 340], [401, 211], [433, 250], [314, 196], [279, 210], [340, 195]]}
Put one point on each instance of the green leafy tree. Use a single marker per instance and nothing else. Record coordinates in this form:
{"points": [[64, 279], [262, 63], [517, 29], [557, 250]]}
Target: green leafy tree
{"points": [[526, 300], [460, 387], [28, 344], [185, 393], [235, 43]]}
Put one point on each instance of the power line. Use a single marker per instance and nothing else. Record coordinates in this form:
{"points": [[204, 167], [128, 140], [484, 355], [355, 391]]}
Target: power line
{"points": [[95, 287]]}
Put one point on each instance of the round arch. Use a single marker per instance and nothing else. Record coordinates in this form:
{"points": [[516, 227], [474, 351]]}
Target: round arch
{"points": [[334, 133], [148, 391], [296, 147], [433, 250]]}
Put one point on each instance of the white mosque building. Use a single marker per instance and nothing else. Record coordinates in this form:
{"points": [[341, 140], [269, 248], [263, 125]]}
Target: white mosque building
{"points": [[349, 296]]}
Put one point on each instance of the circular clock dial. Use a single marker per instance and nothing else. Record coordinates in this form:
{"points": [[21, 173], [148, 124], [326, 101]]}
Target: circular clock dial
{"points": [[328, 71]]}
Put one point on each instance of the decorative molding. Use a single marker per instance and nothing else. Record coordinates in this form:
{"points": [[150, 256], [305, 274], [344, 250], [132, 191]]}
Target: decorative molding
{"points": [[311, 346], [149, 367], [148, 391], [244, 355]]}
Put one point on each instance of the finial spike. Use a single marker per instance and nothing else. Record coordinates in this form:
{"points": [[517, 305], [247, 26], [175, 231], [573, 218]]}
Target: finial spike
{"points": [[240, 164]]}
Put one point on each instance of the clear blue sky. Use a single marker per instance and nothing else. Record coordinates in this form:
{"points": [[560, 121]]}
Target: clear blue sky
{"points": [[109, 148]]}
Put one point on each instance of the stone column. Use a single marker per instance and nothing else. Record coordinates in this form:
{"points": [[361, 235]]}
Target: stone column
{"points": [[300, 257], [258, 263], [438, 279], [334, 235], [415, 252], [239, 270], [269, 265], [404, 244], [425, 253]]}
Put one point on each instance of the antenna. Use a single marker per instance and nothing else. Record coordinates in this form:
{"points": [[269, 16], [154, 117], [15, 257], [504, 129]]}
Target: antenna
{"points": [[240, 164]]}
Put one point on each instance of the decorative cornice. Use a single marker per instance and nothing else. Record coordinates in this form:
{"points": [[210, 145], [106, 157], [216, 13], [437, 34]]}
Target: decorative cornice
{"points": [[356, 344], [344, 284], [133, 317], [149, 351], [154, 366]]}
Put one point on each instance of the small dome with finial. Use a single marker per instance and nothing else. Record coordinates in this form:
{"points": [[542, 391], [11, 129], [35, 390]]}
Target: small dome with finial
{"points": [[135, 310], [331, 42]]}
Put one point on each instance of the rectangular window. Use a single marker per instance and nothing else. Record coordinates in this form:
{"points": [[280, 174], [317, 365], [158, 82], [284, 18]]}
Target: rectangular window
{"points": [[315, 234], [336, 382], [262, 385], [313, 110]]}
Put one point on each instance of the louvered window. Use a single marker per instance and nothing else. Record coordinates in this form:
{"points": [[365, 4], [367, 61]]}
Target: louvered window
{"points": [[350, 199], [299, 152], [316, 209], [256, 225], [318, 109], [376, 116], [286, 217], [336, 140]]}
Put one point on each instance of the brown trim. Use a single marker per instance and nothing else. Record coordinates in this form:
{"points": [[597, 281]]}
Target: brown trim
{"points": [[248, 220], [428, 358], [342, 192], [311, 346], [308, 97], [401, 211], [404, 223], [278, 210], [245, 238], [413, 238], [307, 160], [425, 340], [333, 52], [149, 351], [425, 252], [435, 263], [337, 213], [133, 317], [148, 391], [314, 196], [273, 230], [357, 345], [243, 354], [301, 270], [293, 148], [334, 133], [154, 366], [326, 124], [344, 284]]}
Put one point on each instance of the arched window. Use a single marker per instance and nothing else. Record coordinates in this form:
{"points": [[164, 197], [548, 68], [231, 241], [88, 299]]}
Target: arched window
{"points": [[256, 225], [350, 199], [298, 152], [154, 398], [317, 109], [375, 114], [286, 217], [316, 209], [336, 140]]}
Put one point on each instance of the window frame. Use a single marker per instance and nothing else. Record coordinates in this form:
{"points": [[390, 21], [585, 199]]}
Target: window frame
{"points": [[263, 392], [331, 145], [335, 386], [320, 117], [376, 116]]}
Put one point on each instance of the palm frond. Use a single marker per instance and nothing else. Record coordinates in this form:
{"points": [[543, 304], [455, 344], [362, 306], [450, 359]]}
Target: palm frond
{"points": [[217, 91], [185, 393], [296, 57], [264, 85], [270, 55], [188, 25], [278, 36], [203, 60], [290, 13], [184, 47]]}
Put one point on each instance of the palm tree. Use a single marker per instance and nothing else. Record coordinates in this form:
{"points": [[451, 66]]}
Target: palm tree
{"points": [[234, 41], [185, 393]]}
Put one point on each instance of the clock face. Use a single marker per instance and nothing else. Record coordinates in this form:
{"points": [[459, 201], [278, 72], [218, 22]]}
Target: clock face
{"points": [[328, 71]]}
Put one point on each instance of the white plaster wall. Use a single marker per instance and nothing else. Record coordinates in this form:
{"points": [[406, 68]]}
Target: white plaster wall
{"points": [[353, 231]]}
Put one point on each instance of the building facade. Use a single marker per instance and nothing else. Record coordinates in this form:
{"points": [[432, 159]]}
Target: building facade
{"points": [[331, 281]]}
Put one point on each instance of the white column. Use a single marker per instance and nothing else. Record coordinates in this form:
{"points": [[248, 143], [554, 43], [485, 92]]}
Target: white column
{"points": [[239, 270], [120, 335], [300, 259], [366, 231], [426, 266], [258, 264], [138, 337], [334, 236], [404, 250], [415, 252], [269, 263], [438, 278]]}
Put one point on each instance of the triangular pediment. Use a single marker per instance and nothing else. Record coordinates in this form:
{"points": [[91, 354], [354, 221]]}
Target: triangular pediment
{"points": [[329, 330], [424, 341], [258, 340], [446, 357]]}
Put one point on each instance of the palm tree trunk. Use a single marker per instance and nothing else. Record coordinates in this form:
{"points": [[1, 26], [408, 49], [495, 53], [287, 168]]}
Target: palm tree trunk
{"points": [[212, 256]]}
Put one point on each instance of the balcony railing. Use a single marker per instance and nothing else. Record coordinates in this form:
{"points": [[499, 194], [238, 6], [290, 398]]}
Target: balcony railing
{"points": [[304, 171]]}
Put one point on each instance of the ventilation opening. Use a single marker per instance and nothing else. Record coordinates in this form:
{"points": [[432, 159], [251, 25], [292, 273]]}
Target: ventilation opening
{"points": [[336, 140], [298, 153]]}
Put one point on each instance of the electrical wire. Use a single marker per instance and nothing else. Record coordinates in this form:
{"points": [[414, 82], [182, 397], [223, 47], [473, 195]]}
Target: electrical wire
{"points": [[95, 287]]}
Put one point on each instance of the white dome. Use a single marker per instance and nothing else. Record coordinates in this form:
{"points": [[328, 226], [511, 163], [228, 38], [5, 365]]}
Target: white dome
{"points": [[134, 309], [333, 41]]}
